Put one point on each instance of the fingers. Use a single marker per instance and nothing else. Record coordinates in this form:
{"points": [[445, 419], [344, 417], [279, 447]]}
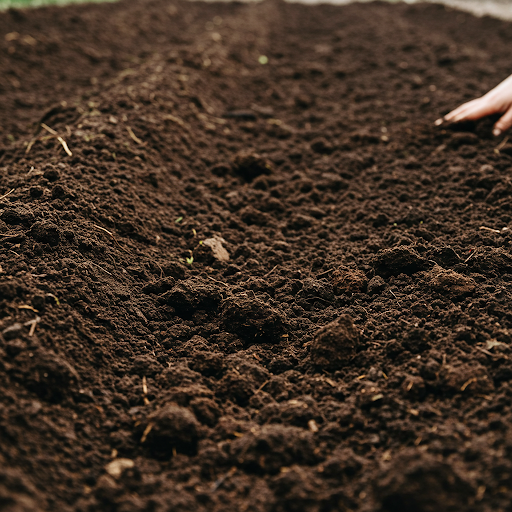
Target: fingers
{"points": [[472, 110], [459, 110], [504, 123]]}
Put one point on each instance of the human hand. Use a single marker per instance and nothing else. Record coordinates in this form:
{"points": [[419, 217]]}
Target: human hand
{"points": [[496, 101]]}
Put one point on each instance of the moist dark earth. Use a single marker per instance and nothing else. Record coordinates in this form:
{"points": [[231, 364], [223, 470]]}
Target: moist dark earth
{"points": [[241, 269]]}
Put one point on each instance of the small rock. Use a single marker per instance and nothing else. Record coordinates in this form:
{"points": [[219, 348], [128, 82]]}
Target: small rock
{"points": [[13, 331], [335, 343], [376, 285], [218, 250], [117, 466]]}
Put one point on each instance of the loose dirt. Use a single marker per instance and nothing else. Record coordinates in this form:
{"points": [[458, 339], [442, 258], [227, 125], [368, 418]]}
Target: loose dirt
{"points": [[240, 269]]}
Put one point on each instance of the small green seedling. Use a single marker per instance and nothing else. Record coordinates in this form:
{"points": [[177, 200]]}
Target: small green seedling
{"points": [[178, 220], [57, 301], [190, 260]]}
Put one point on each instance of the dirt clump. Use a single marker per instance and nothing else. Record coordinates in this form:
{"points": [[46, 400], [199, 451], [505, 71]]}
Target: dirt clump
{"points": [[253, 319], [250, 165], [345, 280], [335, 344], [420, 482], [450, 283], [171, 428], [397, 260]]}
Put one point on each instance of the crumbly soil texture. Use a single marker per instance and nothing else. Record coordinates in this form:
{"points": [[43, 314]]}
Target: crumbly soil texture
{"points": [[241, 269]]}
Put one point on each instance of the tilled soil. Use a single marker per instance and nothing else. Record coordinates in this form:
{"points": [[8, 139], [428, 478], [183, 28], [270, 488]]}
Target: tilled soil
{"points": [[240, 269]]}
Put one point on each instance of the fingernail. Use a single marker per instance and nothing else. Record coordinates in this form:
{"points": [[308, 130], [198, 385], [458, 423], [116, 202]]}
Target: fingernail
{"points": [[496, 132], [439, 122]]}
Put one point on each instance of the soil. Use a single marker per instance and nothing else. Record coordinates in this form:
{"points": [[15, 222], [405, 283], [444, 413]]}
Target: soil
{"points": [[241, 269]]}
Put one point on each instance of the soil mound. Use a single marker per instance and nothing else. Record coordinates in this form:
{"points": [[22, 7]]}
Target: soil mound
{"points": [[241, 269]]}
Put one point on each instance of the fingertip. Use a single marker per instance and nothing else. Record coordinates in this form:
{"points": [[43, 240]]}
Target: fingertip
{"points": [[496, 132], [439, 122]]}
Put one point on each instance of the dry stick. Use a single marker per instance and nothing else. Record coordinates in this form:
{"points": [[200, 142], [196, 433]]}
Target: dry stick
{"points": [[65, 146], [270, 271], [30, 144], [133, 136], [490, 354], [145, 390], [467, 383], [101, 268], [32, 324], [8, 193], [147, 430], [113, 237], [325, 273], [220, 282], [490, 229], [48, 129], [470, 256], [501, 145], [60, 139]]}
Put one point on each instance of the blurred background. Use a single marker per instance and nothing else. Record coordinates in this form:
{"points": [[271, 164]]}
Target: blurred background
{"points": [[497, 8]]}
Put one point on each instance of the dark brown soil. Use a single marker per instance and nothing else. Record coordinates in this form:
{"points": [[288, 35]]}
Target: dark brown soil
{"points": [[253, 287]]}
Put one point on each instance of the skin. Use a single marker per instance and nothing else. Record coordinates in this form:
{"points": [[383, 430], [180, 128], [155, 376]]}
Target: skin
{"points": [[496, 101]]}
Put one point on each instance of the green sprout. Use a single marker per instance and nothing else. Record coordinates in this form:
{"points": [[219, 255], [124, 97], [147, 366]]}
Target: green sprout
{"points": [[178, 220], [57, 301]]}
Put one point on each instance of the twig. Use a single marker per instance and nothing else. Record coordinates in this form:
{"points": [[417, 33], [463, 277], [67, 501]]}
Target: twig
{"points": [[113, 237], [470, 256], [133, 136], [490, 354], [467, 383], [32, 324], [30, 144], [8, 193], [147, 430], [65, 146], [48, 129], [491, 229], [103, 229], [220, 282], [96, 265], [270, 271], [501, 145]]}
